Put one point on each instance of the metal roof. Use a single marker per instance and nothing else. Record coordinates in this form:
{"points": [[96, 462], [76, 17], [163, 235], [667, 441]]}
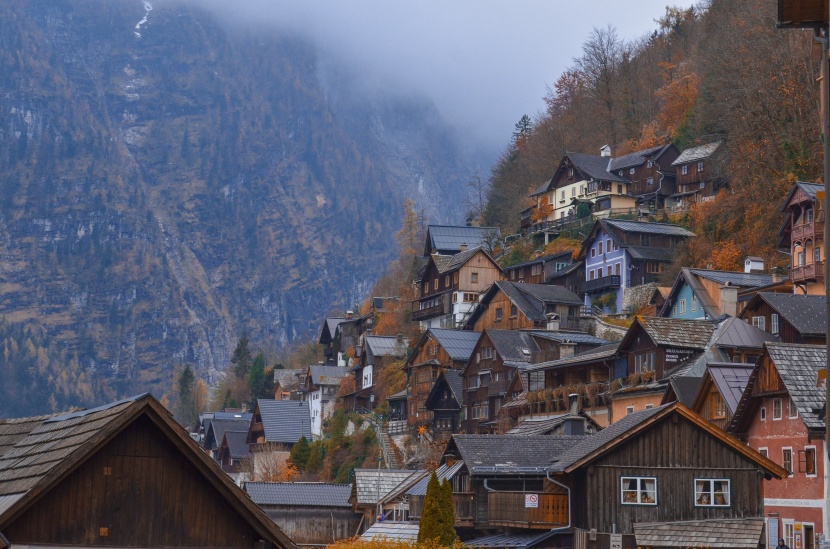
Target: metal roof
{"points": [[602, 352], [326, 375], [459, 344], [685, 388], [372, 485], [443, 472], [737, 333], [512, 454], [798, 366], [217, 428], [304, 494], [285, 421], [731, 380], [647, 227], [511, 541], [740, 279], [512, 345], [570, 337], [532, 426], [734, 533], [450, 238], [807, 313], [387, 345], [392, 531], [696, 153]]}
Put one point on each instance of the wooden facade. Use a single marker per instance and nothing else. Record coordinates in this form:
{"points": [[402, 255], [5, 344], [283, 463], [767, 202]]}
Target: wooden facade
{"points": [[316, 526], [486, 379], [803, 235], [759, 308], [445, 405]]}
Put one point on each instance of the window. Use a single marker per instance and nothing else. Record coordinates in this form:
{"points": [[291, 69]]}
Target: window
{"points": [[817, 255], [621, 172], [764, 452], [474, 278], [776, 408], [644, 362], [684, 169], [571, 172], [702, 184], [562, 194], [650, 181], [793, 409], [513, 274], [787, 459], [700, 166], [581, 190], [649, 406], [694, 302], [608, 245], [536, 270], [759, 322], [807, 461], [446, 281], [616, 246], [455, 277], [717, 406], [499, 314], [619, 189], [650, 163], [763, 413], [599, 272], [639, 490], [573, 191], [617, 269], [470, 297], [513, 311], [682, 305], [435, 284], [712, 493], [592, 274], [674, 311], [644, 240], [599, 248], [593, 252], [653, 267], [631, 170]]}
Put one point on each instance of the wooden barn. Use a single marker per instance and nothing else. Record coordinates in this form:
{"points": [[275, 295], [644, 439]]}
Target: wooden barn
{"points": [[121, 475]]}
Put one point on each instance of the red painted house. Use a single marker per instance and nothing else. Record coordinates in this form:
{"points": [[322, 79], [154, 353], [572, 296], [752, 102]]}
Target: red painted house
{"points": [[779, 415]]}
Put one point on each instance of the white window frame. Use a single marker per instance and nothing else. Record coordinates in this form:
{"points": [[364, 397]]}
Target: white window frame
{"points": [[682, 305], [815, 461], [788, 531], [639, 491], [790, 408], [760, 322], [763, 413], [773, 323], [710, 500], [780, 403], [764, 451], [694, 302], [684, 169], [629, 410]]}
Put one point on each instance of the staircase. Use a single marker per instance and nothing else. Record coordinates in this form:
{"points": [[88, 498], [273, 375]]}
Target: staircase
{"points": [[389, 456]]}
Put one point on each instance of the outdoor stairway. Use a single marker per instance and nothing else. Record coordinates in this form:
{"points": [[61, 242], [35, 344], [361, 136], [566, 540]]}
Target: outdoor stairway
{"points": [[388, 451]]}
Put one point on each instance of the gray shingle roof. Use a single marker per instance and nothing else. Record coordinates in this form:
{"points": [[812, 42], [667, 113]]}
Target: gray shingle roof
{"points": [[392, 531], [458, 344], [646, 227], [511, 541], [602, 352], [288, 378], [326, 375], [736, 533], [285, 421], [512, 454], [807, 313], [742, 280], [594, 167], [236, 443], [570, 337], [512, 345], [633, 159], [387, 345], [373, 484], [538, 260], [737, 333], [218, 427], [731, 380], [305, 494], [532, 298], [685, 388], [798, 366], [458, 260], [696, 153], [533, 426], [456, 384], [449, 239], [689, 334]]}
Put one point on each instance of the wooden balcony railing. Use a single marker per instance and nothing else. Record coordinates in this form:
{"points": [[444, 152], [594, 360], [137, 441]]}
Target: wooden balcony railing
{"points": [[600, 284], [429, 312], [805, 273], [508, 509], [812, 230]]}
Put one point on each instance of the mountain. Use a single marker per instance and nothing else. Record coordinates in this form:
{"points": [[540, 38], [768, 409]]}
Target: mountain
{"points": [[168, 182]]}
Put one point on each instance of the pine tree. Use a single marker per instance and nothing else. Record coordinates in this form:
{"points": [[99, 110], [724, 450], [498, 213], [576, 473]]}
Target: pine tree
{"points": [[448, 533], [241, 358], [260, 383], [300, 454], [186, 387], [429, 525]]}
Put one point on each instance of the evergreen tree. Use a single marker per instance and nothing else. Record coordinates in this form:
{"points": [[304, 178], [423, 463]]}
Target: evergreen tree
{"points": [[186, 387], [315, 459], [429, 527], [448, 533], [241, 358], [260, 382], [300, 454]]}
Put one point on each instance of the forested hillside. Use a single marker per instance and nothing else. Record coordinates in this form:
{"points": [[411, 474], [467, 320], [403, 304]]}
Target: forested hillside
{"points": [[720, 71], [168, 183]]}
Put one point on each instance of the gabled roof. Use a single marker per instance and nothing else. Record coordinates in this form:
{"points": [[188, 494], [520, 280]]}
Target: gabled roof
{"points": [[299, 494], [637, 158], [236, 442], [532, 426], [284, 421], [739, 279], [406, 532], [510, 454], [806, 313], [617, 227], [594, 167], [512, 345], [689, 277], [529, 298], [647, 227], [730, 379], [455, 383], [372, 485], [696, 153], [569, 337], [603, 352], [387, 345], [542, 189], [684, 389], [798, 366], [448, 239], [731, 533], [444, 471], [738, 334], [328, 329], [625, 429], [217, 428], [675, 332], [538, 260], [326, 375], [36, 454], [457, 343], [288, 379]]}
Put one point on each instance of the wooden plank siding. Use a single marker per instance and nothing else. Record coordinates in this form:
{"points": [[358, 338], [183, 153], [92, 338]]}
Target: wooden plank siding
{"points": [[137, 491], [672, 452], [786, 331]]}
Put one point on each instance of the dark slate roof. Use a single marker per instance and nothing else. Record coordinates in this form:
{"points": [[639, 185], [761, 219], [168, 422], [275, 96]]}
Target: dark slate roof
{"points": [[648, 253], [458, 344], [633, 159], [446, 238], [458, 260], [218, 427], [299, 494], [330, 323], [387, 345], [531, 298], [685, 388], [602, 352], [511, 541], [392, 531], [739, 334], [512, 345], [511, 454], [537, 260], [542, 189], [236, 443], [597, 441], [731, 381], [810, 189], [531, 426], [285, 421], [736, 533], [570, 337], [595, 167], [326, 375], [443, 472], [456, 384], [807, 313], [798, 366], [742, 280], [676, 332], [245, 416], [646, 227], [568, 270], [696, 153]]}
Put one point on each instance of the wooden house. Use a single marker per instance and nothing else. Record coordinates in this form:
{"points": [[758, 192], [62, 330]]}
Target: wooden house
{"points": [[438, 349], [340, 337], [275, 427], [539, 270], [660, 470], [793, 318], [445, 403], [452, 239], [326, 338], [802, 237], [720, 391], [621, 254], [287, 384], [703, 293], [377, 352], [310, 513], [513, 306], [121, 475], [779, 415], [651, 174], [215, 429], [695, 176], [233, 451], [570, 278], [449, 287]]}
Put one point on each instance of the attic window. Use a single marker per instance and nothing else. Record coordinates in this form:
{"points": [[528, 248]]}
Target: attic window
{"points": [[514, 310], [684, 169], [525, 351], [571, 172], [649, 164]]}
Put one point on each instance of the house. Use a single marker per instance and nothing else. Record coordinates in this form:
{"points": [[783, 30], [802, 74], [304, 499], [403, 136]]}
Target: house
{"points": [[215, 429], [326, 339], [340, 337], [539, 270], [703, 293], [120, 475], [720, 391], [376, 353], [277, 425], [802, 237], [445, 403], [310, 513], [233, 450], [779, 416], [371, 486], [449, 287], [570, 277], [794, 318], [651, 174], [514, 306], [461, 494], [622, 254], [661, 478], [451, 240], [287, 384], [319, 388], [694, 174], [438, 349]]}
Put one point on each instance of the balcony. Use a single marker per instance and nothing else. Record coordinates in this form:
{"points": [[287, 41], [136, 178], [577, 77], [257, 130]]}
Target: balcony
{"points": [[599, 284], [442, 308], [464, 508], [497, 388], [807, 231], [807, 273], [508, 509]]}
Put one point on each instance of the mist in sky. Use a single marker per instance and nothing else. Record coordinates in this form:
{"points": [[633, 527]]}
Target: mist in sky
{"points": [[484, 63]]}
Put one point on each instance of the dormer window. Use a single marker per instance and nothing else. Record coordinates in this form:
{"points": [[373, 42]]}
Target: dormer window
{"points": [[571, 172]]}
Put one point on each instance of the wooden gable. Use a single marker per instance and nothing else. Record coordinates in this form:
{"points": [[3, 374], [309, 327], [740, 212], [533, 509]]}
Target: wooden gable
{"points": [[768, 381]]}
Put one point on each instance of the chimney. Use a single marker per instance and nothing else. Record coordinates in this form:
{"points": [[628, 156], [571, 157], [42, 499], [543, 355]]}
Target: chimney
{"points": [[464, 247], [573, 400], [553, 321], [605, 151], [778, 276], [349, 314], [449, 459], [729, 300]]}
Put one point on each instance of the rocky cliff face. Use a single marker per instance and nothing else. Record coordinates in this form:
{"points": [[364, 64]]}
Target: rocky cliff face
{"points": [[167, 184]]}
